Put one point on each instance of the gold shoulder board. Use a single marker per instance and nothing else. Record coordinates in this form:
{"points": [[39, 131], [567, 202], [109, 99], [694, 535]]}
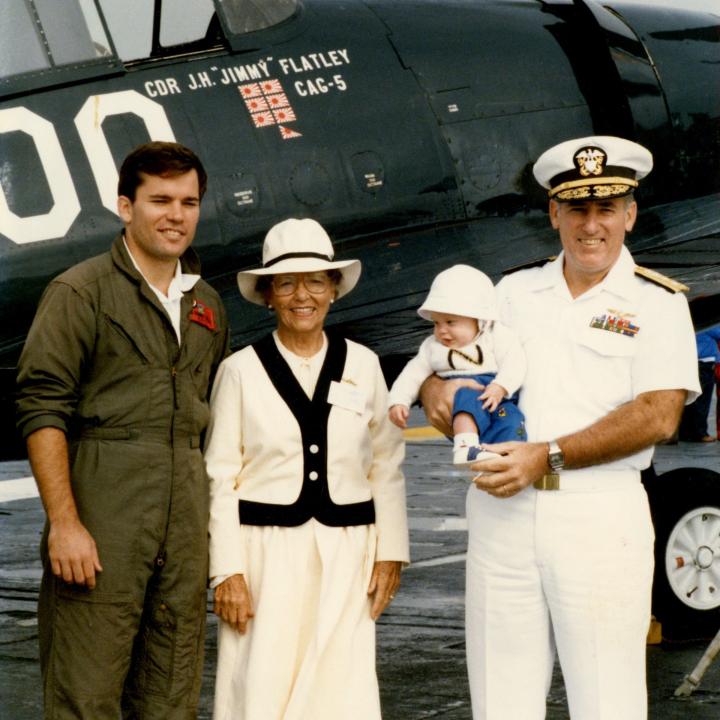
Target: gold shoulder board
{"points": [[659, 279], [528, 265]]}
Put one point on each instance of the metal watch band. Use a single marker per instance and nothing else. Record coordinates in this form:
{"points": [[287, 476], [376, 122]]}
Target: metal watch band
{"points": [[556, 459]]}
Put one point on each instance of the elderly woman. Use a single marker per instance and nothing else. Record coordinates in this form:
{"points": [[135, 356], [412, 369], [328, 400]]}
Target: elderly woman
{"points": [[308, 526]]}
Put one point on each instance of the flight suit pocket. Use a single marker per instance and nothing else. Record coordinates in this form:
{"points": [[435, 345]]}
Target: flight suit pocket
{"points": [[119, 342], [156, 650], [121, 385], [92, 638], [202, 367]]}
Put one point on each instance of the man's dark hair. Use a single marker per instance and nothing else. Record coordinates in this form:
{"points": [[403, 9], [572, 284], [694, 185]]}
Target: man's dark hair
{"points": [[164, 159]]}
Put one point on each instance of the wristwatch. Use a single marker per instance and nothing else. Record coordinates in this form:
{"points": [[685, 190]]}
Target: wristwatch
{"points": [[556, 459]]}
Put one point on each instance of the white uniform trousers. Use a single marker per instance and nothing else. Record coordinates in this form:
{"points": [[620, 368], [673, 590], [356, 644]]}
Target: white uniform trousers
{"points": [[569, 570], [309, 652]]}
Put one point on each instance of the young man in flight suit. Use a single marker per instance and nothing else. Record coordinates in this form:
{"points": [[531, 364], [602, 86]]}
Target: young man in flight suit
{"points": [[560, 551], [113, 390]]}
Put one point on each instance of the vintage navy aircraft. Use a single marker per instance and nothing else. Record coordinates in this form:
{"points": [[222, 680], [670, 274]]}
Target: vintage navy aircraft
{"points": [[407, 127]]}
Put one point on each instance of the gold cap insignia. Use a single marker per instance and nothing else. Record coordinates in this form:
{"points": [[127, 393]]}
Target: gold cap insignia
{"points": [[590, 161]]}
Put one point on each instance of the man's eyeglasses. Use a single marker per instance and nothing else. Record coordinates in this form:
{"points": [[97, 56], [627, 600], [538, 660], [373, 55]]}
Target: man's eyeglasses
{"points": [[315, 283]]}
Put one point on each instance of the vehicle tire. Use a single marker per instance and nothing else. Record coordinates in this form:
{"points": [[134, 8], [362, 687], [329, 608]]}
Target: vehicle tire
{"points": [[685, 506]]}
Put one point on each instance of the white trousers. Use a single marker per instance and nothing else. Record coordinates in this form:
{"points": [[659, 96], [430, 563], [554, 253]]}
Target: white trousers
{"points": [[309, 652], [569, 570]]}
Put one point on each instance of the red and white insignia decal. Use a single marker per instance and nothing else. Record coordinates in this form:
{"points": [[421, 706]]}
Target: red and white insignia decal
{"points": [[250, 90], [257, 104], [268, 104], [262, 119], [284, 115], [287, 133], [271, 86], [278, 100]]}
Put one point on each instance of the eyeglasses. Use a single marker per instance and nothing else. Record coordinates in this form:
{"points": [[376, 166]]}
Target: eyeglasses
{"points": [[315, 283]]}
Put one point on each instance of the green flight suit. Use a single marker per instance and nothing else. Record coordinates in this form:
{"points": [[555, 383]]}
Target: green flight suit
{"points": [[103, 364]]}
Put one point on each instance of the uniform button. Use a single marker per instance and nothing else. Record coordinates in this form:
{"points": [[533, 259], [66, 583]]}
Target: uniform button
{"points": [[313, 475], [314, 449]]}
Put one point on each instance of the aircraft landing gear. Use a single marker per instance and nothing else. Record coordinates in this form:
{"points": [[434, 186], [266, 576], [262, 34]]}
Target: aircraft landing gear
{"points": [[685, 506]]}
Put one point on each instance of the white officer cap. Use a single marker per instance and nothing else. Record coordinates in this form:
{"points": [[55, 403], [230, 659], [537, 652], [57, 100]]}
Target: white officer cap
{"points": [[592, 168], [461, 290]]}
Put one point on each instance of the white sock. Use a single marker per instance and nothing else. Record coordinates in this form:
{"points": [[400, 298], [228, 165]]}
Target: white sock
{"points": [[465, 440]]}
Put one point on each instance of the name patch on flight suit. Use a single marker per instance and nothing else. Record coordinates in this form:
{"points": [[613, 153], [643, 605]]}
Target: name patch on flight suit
{"points": [[615, 321]]}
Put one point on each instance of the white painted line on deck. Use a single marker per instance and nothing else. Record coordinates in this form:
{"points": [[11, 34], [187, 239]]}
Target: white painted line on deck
{"points": [[441, 524], [447, 560], [18, 489]]}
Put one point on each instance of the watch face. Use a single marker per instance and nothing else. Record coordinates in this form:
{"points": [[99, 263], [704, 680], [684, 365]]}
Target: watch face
{"points": [[556, 459]]}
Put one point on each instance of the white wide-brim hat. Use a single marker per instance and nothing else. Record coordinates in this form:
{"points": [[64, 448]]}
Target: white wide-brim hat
{"points": [[461, 290], [295, 246]]}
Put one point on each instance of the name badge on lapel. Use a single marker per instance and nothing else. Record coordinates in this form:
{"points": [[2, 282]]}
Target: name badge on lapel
{"points": [[346, 396]]}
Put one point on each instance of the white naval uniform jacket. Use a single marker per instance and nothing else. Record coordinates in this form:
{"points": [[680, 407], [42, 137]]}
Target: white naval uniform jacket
{"points": [[588, 355], [501, 354], [262, 464]]}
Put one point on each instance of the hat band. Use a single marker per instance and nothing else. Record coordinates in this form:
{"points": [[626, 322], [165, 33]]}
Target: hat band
{"points": [[609, 171], [288, 256], [586, 182]]}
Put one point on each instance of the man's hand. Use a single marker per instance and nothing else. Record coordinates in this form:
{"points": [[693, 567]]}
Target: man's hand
{"points": [[233, 602], [520, 465], [71, 548], [493, 396], [399, 415], [73, 554], [437, 396], [384, 583]]}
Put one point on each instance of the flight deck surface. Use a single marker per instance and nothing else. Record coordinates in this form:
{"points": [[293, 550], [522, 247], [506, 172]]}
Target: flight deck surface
{"points": [[421, 649]]}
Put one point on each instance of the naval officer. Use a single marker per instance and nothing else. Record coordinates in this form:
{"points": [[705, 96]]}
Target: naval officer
{"points": [[560, 553]]}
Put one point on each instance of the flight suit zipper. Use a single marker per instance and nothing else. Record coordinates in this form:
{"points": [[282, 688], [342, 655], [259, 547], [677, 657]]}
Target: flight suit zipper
{"points": [[173, 374]]}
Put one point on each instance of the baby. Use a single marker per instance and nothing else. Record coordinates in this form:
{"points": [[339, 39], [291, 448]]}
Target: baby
{"points": [[468, 342]]}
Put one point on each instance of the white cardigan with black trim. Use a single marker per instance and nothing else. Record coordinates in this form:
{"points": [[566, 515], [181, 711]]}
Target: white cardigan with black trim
{"points": [[254, 452]]}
